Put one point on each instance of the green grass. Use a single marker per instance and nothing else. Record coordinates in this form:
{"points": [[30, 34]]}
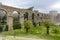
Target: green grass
{"points": [[37, 31]]}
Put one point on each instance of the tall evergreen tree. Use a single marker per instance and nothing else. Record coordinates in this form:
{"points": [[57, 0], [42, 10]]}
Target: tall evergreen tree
{"points": [[31, 8]]}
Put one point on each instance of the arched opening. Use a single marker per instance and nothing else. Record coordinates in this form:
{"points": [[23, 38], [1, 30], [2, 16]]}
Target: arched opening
{"points": [[33, 17], [3, 20], [38, 15], [33, 20], [26, 16], [16, 19], [39, 23]]}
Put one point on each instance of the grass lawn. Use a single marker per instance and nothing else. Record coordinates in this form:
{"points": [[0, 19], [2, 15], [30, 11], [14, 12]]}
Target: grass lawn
{"points": [[38, 32]]}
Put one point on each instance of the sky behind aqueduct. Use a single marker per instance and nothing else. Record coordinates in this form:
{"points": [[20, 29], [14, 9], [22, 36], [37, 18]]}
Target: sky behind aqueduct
{"points": [[41, 5]]}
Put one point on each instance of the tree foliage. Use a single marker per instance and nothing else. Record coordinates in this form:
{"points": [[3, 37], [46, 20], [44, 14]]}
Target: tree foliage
{"points": [[27, 25], [47, 24], [17, 26], [31, 8]]}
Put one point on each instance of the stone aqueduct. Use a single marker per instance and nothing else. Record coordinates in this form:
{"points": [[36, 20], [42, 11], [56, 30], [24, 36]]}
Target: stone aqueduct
{"points": [[9, 10]]}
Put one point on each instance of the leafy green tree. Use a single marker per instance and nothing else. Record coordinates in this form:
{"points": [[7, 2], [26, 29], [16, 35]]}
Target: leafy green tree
{"points": [[47, 24], [27, 25]]}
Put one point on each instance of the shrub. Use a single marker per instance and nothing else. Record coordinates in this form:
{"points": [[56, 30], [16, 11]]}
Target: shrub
{"points": [[6, 29], [55, 31], [34, 24], [1, 28], [47, 24], [27, 25], [17, 26]]}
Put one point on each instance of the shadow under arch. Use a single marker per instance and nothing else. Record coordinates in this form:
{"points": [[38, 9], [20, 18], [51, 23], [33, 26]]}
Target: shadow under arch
{"points": [[26, 16], [33, 17]]}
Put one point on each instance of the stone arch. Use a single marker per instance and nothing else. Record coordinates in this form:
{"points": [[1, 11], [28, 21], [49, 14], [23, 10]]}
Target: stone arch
{"points": [[16, 16], [3, 18], [3, 10], [26, 16]]}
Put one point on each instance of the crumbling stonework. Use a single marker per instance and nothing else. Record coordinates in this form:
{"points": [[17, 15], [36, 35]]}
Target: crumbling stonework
{"points": [[38, 17]]}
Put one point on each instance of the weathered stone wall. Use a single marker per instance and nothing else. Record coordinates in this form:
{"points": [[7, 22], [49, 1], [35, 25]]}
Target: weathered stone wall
{"points": [[38, 17]]}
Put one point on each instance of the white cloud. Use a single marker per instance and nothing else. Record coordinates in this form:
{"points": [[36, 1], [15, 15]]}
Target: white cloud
{"points": [[38, 4], [55, 6], [15, 3]]}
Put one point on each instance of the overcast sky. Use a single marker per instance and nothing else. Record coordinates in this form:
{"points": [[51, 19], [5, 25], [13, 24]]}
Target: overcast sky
{"points": [[41, 5]]}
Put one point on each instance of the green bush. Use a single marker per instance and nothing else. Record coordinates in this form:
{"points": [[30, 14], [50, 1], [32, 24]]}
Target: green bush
{"points": [[1, 28], [34, 24], [6, 29], [27, 25], [55, 31], [17, 26]]}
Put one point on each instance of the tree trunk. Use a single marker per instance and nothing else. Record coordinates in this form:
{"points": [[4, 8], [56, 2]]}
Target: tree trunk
{"points": [[47, 30], [27, 30]]}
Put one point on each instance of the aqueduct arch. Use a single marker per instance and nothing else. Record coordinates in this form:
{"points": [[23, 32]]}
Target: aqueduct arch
{"points": [[10, 11], [16, 17], [23, 14], [3, 19]]}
